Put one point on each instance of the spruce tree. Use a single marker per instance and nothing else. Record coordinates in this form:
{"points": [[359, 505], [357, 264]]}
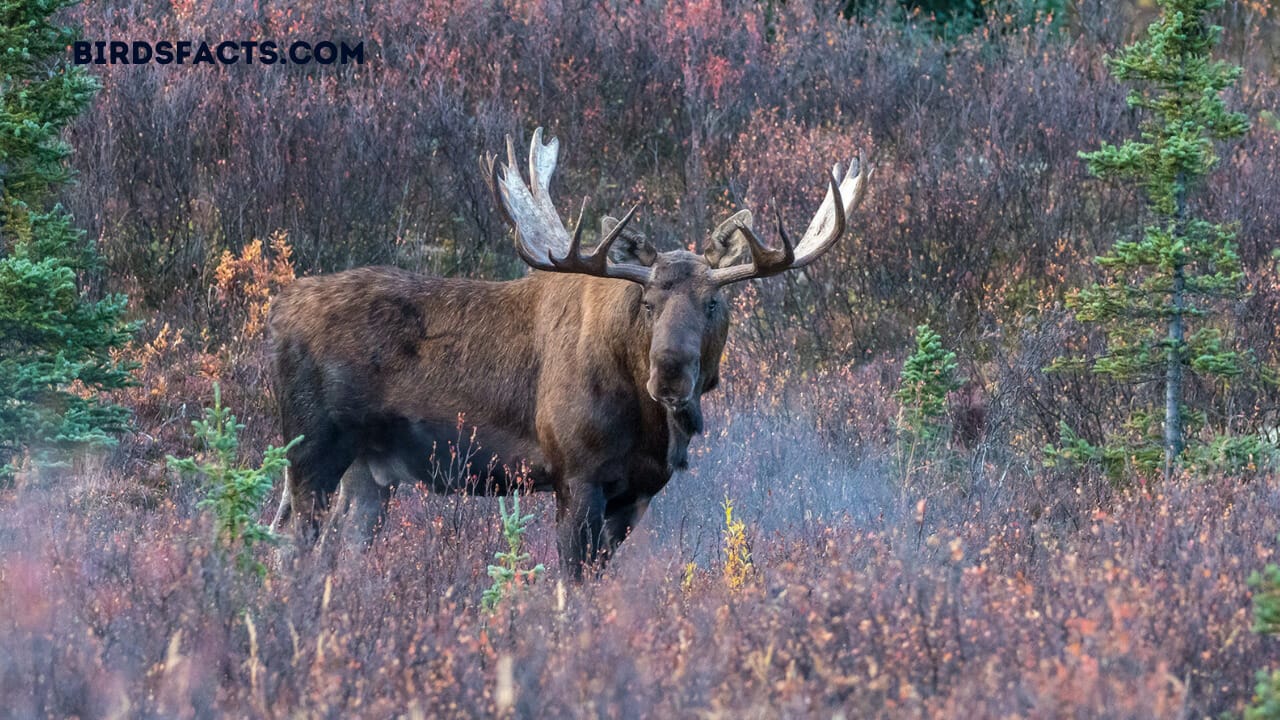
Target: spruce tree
{"points": [[56, 342], [1161, 289], [927, 376]]}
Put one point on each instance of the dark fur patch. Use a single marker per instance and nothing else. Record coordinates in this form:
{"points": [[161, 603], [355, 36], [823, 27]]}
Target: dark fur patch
{"points": [[401, 320], [682, 425]]}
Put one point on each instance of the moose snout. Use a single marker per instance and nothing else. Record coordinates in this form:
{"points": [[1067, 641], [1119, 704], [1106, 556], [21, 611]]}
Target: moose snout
{"points": [[672, 402], [672, 378]]}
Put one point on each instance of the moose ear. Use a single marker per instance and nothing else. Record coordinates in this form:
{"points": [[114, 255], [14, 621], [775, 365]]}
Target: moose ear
{"points": [[630, 247], [727, 245]]}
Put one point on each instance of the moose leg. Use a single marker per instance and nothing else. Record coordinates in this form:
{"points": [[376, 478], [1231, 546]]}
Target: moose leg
{"points": [[365, 500], [316, 466], [286, 507], [620, 517], [580, 527], [307, 504]]}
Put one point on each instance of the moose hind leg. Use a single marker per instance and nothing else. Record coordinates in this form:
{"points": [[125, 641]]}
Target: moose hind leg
{"points": [[580, 529], [365, 500]]}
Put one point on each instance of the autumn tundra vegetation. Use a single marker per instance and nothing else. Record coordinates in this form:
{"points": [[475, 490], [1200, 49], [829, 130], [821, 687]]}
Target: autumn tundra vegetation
{"points": [[1008, 448]]}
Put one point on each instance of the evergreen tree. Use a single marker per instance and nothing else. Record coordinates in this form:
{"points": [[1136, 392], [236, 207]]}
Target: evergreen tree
{"points": [[1162, 288], [927, 376], [55, 342]]}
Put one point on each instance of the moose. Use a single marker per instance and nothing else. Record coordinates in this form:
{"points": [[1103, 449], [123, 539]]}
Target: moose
{"points": [[584, 377]]}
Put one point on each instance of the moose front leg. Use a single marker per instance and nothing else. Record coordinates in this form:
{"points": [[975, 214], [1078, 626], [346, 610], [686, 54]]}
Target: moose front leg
{"points": [[316, 466], [307, 506], [620, 517], [580, 527]]}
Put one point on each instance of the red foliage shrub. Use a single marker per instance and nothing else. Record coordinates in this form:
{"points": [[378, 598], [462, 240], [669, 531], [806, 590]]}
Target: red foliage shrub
{"points": [[973, 611]]}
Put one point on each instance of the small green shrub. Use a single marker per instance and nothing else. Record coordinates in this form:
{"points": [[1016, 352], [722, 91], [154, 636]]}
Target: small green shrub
{"points": [[1266, 620], [927, 376], [1266, 697], [235, 494], [1233, 456], [509, 573]]}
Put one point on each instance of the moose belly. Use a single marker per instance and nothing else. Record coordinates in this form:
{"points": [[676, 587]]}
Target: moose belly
{"points": [[452, 459]]}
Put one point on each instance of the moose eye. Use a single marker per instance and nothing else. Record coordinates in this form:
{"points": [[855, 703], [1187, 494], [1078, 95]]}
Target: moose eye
{"points": [[712, 304], [648, 308]]}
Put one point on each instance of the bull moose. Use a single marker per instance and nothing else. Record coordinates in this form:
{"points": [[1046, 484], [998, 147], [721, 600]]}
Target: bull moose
{"points": [[588, 372]]}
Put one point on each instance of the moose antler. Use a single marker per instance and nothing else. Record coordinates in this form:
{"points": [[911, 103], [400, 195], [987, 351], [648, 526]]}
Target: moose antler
{"points": [[824, 230], [541, 239]]}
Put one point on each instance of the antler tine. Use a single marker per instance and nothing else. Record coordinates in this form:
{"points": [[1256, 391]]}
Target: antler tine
{"points": [[782, 230], [489, 171], [574, 253], [597, 262], [541, 238], [577, 228], [861, 180], [541, 166], [826, 228], [767, 261], [511, 154], [841, 220]]}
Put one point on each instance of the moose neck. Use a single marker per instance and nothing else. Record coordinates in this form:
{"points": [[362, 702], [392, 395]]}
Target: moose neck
{"points": [[610, 311]]}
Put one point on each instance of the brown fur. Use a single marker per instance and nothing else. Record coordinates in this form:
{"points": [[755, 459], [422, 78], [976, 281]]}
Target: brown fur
{"points": [[559, 372], [969, 409]]}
